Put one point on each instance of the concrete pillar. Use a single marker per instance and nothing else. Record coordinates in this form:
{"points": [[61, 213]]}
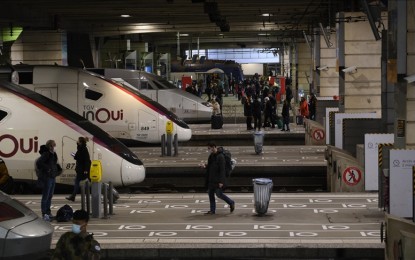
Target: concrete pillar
{"points": [[340, 59], [329, 78], [409, 27], [396, 67]]}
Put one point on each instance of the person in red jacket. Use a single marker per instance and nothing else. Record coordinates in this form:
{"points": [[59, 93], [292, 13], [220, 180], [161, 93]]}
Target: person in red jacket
{"points": [[304, 108]]}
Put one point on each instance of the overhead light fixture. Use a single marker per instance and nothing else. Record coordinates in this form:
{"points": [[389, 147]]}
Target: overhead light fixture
{"points": [[183, 34], [267, 14], [263, 34], [125, 15]]}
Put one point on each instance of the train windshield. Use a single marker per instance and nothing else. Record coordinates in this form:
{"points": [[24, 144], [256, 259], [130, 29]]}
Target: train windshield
{"points": [[64, 114], [160, 82]]}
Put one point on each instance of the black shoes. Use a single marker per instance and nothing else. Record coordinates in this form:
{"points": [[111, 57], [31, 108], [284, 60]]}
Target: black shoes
{"points": [[210, 213], [71, 198], [232, 207]]}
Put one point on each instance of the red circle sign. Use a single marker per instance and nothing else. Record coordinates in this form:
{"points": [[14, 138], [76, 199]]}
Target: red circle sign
{"points": [[352, 176], [318, 134]]}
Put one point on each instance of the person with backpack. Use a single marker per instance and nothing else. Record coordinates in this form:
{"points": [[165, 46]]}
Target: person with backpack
{"points": [[216, 178], [83, 165], [77, 243], [48, 169]]}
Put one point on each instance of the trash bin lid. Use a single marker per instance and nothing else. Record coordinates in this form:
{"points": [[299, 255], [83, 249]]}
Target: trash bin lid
{"points": [[262, 181], [258, 133]]}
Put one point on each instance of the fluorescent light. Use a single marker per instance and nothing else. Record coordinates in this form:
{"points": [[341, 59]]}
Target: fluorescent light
{"points": [[267, 14], [184, 34], [125, 15]]}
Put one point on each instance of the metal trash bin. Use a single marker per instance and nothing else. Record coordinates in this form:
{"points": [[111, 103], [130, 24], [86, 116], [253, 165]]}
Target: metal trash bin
{"points": [[262, 194], [258, 141]]}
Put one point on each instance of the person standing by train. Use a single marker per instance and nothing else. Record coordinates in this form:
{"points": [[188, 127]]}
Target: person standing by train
{"points": [[49, 169], [83, 165], [216, 179], [6, 181]]}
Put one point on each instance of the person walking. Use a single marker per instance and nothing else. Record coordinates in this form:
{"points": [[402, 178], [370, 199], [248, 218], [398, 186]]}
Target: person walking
{"points": [[83, 165], [216, 179], [304, 108], [78, 243], [49, 169], [285, 116], [312, 105], [248, 112], [257, 113], [268, 110]]}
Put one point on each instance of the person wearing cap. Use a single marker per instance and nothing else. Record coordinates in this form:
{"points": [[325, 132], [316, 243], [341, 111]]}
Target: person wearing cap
{"points": [[77, 243]]}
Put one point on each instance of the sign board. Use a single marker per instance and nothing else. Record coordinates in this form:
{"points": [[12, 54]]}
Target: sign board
{"points": [[351, 176], [338, 124], [372, 142], [318, 134], [400, 182], [328, 110]]}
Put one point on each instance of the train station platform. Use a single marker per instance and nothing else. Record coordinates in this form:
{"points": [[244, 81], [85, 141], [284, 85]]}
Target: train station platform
{"points": [[174, 226], [291, 167]]}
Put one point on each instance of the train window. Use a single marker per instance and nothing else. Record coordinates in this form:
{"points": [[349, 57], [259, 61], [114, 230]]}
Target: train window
{"points": [[8, 212], [92, 94], [3, 114]]}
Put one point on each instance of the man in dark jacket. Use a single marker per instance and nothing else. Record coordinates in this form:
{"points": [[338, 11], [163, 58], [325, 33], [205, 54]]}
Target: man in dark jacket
{"points": [[6, 181], [216, 179], [83, 165], [47, 165], [77, 243]]}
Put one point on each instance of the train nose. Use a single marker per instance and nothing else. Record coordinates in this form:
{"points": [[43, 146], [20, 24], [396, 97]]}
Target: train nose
{"points": [[132, 173], [184, 134]]}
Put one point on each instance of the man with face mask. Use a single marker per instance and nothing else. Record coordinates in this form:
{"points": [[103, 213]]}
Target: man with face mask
{"points": [[78, 243], [216, 178], [48, 167]]}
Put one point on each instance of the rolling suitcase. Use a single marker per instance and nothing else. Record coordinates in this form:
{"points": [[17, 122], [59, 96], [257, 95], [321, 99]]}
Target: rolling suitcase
{"points": [[216, 121]]}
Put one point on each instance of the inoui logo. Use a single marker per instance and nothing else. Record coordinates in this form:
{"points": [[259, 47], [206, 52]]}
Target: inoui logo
{"points": [[103, 115], [25, 145]]}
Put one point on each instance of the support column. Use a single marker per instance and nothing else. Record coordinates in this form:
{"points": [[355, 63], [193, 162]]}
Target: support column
{"points": [[397, 26], [341, 61]]}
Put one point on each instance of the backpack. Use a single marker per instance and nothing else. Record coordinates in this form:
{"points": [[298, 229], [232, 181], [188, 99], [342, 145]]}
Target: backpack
{"points": [[64, 214], [229, 162]]}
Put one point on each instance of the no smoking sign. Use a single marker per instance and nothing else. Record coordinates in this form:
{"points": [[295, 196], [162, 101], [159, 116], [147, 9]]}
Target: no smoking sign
{"points": [[352, 176]]}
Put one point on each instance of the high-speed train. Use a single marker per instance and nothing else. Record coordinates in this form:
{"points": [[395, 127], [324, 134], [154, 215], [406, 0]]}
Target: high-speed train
{"points": [[119, 110], [190, 108], [28, 120]]}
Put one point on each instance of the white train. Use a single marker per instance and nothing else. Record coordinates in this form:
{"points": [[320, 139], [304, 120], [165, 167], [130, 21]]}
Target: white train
{"points": [[28, 120], [121, 111], [189, 107]]}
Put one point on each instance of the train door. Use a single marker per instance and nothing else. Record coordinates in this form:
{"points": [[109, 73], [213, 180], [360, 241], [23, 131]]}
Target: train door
{"points": [[147, 127], [68, 146]]}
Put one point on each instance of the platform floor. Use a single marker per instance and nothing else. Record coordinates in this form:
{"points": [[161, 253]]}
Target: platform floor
{"points": [[296, 226]]}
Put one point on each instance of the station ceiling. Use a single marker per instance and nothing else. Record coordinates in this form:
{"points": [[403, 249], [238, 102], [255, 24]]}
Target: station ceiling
{"points": [[224, 23]]}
